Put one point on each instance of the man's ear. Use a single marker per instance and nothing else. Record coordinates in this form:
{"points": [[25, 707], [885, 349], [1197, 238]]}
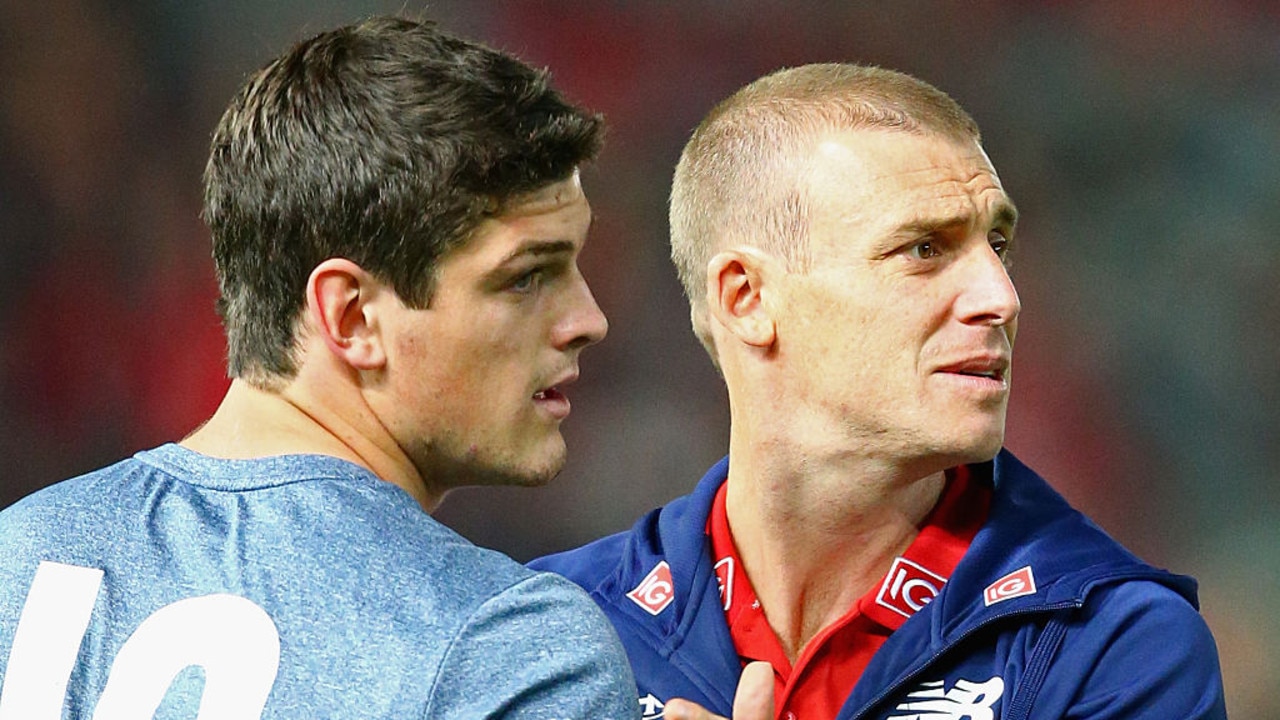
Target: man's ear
{"points": [[735, 294], [342, 310]]}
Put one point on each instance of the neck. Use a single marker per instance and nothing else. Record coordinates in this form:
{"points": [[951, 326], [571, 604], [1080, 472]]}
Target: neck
{"points": [[816, 531], [254, 423]]}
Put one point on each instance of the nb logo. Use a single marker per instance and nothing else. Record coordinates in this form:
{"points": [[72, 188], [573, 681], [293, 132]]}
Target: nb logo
{"points": [[231, 638], [964, 701], [655, 592], [650, 707]]}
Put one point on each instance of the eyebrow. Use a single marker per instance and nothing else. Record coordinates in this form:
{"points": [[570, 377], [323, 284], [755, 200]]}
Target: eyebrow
{"points": [[1005, 216], [538, 248]]}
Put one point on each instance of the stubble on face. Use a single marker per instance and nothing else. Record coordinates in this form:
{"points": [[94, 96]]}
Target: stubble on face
{"points": [[881, 316], [473, 368]]}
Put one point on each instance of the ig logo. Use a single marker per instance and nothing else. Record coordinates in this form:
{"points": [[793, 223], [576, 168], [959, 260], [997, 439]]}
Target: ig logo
{"points": [[908, 587], [656, 591], [1015, 584], [724, 578]]}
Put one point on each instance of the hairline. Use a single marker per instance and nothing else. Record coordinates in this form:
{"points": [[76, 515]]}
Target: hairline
{"points": [[797, 108]]}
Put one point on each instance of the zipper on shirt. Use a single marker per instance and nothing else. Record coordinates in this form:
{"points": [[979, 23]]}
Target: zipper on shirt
{"points": [[1042, 656]]}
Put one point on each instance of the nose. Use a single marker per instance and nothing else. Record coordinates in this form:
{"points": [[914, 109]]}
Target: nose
{"points": [[585, 323], [988, 296]]}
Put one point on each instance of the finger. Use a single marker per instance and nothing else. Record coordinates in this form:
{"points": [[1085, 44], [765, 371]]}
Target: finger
{"points": [[677, 709], [754, 699]]}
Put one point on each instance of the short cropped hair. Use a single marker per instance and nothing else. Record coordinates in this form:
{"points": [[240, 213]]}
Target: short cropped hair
{"points": [[741, 176], [386, 142]]}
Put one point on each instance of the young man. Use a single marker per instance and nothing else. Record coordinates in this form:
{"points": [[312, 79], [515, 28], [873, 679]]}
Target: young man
{"points": [[396, 217], [843, 241]]}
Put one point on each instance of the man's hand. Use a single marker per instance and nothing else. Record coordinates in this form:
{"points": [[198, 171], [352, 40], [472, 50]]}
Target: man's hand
{"points": [[753, 701]]}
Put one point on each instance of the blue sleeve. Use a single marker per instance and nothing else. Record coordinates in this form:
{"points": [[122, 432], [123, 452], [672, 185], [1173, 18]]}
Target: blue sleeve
{"points": [[537, 651], [1140, 652]]}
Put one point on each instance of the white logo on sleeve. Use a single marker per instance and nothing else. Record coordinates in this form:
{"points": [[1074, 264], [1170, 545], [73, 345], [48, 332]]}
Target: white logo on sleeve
{"points": [[650, 707], [964, 701]]}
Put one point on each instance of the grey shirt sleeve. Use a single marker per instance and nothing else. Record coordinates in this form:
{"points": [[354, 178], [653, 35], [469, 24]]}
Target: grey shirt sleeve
{"points": [[539, 650]]}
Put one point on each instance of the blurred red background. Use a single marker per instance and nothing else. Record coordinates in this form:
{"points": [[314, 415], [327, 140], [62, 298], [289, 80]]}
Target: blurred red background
{"points": [[1140, 139]]}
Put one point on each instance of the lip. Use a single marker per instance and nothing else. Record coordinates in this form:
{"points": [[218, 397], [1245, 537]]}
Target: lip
{"points": [[552, 399], [989, 372]]}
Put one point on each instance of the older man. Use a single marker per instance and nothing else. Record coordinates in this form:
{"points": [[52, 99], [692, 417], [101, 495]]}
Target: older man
{"points": [[843, 240]]}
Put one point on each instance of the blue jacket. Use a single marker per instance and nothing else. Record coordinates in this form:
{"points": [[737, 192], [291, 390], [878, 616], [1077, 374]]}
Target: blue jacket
{"points": [[1103, 635]]}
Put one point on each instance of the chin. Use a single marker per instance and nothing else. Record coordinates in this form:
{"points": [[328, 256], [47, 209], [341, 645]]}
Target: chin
{"points": [[494, 467], [534, 470], [978, 445], [984, 447], [535, 477]]}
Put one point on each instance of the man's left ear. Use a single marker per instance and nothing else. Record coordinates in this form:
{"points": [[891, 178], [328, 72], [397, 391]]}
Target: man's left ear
{"points": [[342, 308]]}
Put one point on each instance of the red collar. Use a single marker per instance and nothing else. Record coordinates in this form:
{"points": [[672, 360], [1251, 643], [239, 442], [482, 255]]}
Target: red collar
{"points": [[848, 644]]}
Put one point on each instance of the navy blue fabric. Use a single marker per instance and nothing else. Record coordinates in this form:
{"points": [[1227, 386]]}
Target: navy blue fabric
{"points": [[1104, 636]]}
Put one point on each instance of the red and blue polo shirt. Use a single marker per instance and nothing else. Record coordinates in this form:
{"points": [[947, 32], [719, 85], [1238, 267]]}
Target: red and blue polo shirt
{"points": [[822, 677]]}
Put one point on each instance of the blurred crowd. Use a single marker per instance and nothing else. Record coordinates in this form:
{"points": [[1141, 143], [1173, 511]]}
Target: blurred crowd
{"points": [[1140, 139]]}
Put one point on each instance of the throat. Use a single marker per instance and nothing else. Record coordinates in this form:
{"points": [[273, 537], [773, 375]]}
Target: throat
{"points": [[810, 564], [803, 596]]}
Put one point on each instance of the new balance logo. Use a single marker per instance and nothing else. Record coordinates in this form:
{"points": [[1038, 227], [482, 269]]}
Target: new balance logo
{"points": [[651, 707], [964, 701]]}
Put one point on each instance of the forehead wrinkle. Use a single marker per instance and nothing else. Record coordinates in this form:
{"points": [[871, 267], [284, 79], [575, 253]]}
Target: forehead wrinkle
{"points": [[929, 190], [961, 205]]}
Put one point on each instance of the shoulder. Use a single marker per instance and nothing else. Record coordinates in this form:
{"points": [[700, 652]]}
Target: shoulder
{"points": [[56, 511], [538, 649], [1140, 649], [1125, 613], [558, 610]]}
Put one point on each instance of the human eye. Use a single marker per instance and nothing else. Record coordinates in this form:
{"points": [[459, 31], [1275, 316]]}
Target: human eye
{"points": [[1000, 243], [526, 282], [926, 249]]}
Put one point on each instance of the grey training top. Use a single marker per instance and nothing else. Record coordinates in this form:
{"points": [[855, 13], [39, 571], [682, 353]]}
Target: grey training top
{"points": [[289, 587]]}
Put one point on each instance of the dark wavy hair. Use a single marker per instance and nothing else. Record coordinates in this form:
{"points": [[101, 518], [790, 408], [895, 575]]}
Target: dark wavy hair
{"points": [[385, 142]]}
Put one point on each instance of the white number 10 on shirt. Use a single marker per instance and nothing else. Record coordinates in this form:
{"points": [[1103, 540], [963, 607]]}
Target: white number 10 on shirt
{"points": [[231, 638]]}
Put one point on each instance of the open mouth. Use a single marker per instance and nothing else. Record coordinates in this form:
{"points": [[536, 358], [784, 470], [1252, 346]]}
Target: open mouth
{"points": [[553, 401], [551, 393], [997, 375]]}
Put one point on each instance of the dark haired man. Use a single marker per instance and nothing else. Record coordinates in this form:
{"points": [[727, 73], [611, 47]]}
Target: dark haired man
{"points": [[396, 217], [842, 238]]}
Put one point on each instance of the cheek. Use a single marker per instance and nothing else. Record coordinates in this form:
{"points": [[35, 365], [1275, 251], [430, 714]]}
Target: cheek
{"points": [[837, 333], [496, 370], [873, 338]]}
